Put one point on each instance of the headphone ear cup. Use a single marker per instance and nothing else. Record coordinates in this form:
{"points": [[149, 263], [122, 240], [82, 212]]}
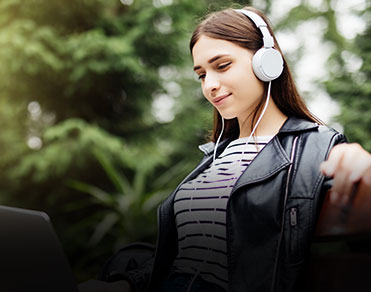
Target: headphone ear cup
{"points": [[267, 64]]}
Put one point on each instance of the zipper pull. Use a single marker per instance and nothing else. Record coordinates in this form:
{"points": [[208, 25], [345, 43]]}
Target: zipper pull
{"points": [[293, 219]]}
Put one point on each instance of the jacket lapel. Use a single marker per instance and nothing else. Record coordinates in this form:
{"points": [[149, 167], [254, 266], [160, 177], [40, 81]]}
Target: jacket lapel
{"points": [[270, 160]]}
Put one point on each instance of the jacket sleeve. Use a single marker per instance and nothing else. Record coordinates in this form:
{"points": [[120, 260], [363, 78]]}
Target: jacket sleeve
{"points": [[139, 278], [327, 183], [132, 263], [337, 139]]}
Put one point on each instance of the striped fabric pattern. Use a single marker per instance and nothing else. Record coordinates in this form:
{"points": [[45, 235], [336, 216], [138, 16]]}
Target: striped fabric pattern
{"points": [[200, 212]]}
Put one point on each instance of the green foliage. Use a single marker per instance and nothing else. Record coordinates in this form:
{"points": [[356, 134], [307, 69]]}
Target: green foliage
{"points": [[350, 87], [91, 69], [353, 91], [128, 212], [70, 143], [297, 15], [11, 133]]}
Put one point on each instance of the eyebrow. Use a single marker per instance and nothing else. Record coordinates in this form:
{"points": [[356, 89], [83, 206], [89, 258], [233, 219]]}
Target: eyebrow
{"points": [[212, 60]]}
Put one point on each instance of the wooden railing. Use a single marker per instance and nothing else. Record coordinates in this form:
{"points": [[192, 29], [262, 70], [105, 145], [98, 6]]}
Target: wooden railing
{"points": [[351, 219], [341, 254]]}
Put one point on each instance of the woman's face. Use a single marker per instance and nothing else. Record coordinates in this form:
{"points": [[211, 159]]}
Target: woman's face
{"points": [[227, 78]]}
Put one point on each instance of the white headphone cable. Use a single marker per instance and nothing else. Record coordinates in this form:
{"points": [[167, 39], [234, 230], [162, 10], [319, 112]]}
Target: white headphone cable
{"points": [[260, 118], [214, 157], [254, 129], [217, 142]]}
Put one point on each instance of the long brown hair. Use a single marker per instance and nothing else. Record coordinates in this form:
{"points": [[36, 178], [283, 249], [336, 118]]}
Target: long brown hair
{"points": [[235, 27]]}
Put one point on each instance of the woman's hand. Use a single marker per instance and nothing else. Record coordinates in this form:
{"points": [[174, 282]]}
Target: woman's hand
{"points": [[348, 164], [100, 286]]}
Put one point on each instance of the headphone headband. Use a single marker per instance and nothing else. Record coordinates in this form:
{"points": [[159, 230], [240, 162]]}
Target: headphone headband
{"points": [[261, 24], [267, 62]]}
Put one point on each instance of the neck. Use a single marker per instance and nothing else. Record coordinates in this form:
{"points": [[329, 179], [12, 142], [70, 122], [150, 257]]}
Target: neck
{"points": [[269, 125]]}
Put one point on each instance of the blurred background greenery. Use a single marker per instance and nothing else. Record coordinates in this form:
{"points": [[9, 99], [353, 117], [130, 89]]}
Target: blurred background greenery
{"points": [[101, 113]]}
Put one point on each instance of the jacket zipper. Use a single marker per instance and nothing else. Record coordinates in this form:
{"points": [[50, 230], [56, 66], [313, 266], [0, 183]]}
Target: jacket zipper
{"points": [[293, 216], [293, 232], [293, 150]]}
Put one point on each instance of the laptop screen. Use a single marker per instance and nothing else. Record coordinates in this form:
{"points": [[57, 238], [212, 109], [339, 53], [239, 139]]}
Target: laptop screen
{"points": [[31, 257]]}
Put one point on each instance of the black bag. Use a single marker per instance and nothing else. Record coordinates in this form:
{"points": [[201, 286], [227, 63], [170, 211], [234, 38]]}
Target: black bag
{"points": [[130, 257]]}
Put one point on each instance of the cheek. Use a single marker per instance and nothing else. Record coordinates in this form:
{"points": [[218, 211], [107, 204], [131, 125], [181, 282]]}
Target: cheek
{"points": [[240, 76], [204, 92], [252, 82]]}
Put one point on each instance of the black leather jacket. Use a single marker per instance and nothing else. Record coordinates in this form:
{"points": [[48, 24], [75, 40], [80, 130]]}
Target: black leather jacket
{"points": [[271, 213]]}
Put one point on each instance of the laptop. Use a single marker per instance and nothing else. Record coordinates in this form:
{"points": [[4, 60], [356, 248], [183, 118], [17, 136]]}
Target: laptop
{"points": [[31, 256]]}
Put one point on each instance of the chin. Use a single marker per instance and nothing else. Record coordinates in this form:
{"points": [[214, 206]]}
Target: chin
{"points": [[228, 116]]}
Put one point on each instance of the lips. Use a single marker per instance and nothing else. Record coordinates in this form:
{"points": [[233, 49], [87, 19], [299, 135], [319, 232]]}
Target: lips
{"points": [[220, 99]]}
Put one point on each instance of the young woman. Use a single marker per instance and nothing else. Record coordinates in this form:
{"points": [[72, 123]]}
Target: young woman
{"points": [[243, 219]]}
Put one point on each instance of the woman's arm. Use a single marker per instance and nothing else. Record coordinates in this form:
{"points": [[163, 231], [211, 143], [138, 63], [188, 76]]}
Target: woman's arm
{"points": [[349, 165]]}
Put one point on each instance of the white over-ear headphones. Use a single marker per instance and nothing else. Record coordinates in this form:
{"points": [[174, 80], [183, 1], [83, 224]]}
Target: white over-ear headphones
{"points": [[267, 62]]}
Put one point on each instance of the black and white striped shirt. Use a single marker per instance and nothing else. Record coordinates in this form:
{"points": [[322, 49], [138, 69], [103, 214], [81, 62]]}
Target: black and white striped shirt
{"points": [[200, 212]]}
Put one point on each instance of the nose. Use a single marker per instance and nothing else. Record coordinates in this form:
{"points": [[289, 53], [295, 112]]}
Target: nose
{"points": [[211, 84]]}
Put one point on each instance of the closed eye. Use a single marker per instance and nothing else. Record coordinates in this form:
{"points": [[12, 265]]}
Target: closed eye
{"points": [[201, 76], [219, 67], [224, 65]]}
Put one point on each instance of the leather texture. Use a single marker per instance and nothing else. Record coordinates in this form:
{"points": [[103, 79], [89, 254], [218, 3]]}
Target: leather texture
{"points": [[271, 213]]}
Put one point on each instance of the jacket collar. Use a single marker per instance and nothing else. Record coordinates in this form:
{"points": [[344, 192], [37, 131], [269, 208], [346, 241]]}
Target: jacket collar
{"points": [[291, 125]]}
